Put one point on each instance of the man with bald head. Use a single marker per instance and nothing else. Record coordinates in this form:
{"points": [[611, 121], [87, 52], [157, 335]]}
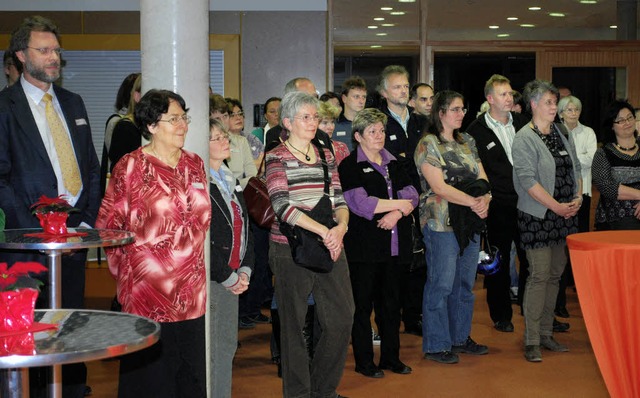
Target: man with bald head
{"points": [[277, 134]]}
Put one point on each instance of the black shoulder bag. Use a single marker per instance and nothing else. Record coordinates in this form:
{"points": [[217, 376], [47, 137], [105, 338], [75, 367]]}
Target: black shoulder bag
{"points": [[307, 248]]}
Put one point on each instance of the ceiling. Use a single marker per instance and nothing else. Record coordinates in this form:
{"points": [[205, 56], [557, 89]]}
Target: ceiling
{"points": [[464, 20]]}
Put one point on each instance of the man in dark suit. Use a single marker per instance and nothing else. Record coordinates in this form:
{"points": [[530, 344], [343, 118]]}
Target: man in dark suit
{"points": [[31, 163], [494, 132], [403, 131]]}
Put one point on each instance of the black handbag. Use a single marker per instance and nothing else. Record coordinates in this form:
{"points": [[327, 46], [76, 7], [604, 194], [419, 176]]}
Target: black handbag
{"points": [[307, 248], [418, 261]]}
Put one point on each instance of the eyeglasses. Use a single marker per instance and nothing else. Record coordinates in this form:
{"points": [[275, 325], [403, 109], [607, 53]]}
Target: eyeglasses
{"points": [[628, 119], [237, 114], [572, 110], [220, 138], [458, 110], [175, 120], [47, 51], [308, 118]]}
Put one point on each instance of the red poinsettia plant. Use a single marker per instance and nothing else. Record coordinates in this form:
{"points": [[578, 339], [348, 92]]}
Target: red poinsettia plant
{"points": [[52, 214], [18, 276], [52, 205]]}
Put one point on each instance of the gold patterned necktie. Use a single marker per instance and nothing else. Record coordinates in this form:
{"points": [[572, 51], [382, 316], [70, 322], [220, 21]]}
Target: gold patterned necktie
{"points": [[66, 157]]}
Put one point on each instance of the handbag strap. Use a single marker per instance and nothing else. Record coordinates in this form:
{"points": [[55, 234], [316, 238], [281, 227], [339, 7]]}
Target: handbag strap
{"points": [[325, 168]]}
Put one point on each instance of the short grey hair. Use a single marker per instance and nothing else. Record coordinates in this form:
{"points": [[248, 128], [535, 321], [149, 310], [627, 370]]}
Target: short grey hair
{"points": [[570, 99], [535, 89], [388, 71], [292, 102]]}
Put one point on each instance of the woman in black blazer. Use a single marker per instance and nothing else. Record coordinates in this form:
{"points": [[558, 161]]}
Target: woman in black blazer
{"points": [[232, 259], [381, 198]]}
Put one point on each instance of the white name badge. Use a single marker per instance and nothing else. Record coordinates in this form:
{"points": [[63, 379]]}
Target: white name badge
{"points": [[563, 153], [341, 133], [197, 185], [491, 145], [392, 138], [238, 188], [291, 163], [368, 170]]}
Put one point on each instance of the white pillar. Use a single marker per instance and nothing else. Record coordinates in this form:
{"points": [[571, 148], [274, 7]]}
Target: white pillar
{"points": [[174, 43]]}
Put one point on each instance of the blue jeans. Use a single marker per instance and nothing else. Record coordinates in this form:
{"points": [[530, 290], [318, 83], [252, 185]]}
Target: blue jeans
{"points": [[447, 306]]}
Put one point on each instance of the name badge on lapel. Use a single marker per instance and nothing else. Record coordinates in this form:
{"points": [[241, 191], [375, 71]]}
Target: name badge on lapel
{"points": [[81, 122], [291, 163], [238, 188], [563, 153], [367, 170], [341, 133], [392, 138], [491, 145], [197, 185]]}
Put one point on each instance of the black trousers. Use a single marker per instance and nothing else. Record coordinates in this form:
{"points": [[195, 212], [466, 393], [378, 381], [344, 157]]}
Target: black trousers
{"points": [[174, 367], [502, 225], [376, 285], [252, 299]]}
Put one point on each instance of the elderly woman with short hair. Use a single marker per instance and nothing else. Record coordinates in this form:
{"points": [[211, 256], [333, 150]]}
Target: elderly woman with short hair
{"points": [[547, 179], [296, 183], [378, 245]]}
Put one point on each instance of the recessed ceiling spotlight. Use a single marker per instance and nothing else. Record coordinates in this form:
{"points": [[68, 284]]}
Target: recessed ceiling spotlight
{"points": [[557, 14], [372, 26], [375, 46], [406, 1], [397, 13], [386, 8], [588, 2], [387, 25], [503, 35], [494, 27], [512, 19], [378, 19], [381, 34], [614, 26], [535, 8], [527, 25]]}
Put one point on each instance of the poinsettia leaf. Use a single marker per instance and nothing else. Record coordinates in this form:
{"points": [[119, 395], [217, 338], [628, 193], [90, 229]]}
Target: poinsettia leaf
{"points": [[23, 268]]}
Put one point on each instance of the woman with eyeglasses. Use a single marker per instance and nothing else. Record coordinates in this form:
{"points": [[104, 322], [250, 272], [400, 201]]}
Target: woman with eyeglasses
{"points": [[586, 143], [236, 126], [159, 192], [616, 170], [379, 244], [452, 175], [231, 259], [547, 179], [302, 176]]}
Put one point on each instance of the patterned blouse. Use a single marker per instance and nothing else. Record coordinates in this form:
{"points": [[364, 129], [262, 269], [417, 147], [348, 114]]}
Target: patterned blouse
{"points": [[612, 168], [162, 274], [552, 230], [295, 185], [457, 162]]}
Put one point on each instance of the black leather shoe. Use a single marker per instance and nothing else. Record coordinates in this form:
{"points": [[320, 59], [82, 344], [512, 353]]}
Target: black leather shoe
{"points": [[562, 312], [370, 371], [560, 327], [504, 326], [398, 368]]}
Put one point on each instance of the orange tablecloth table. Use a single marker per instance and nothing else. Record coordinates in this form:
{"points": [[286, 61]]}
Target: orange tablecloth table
{"points": [[606, 269]]}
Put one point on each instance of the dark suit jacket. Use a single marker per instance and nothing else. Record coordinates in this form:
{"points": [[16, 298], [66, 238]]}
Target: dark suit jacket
{"points": [[25, 170], [494, 158], [222, 236]]}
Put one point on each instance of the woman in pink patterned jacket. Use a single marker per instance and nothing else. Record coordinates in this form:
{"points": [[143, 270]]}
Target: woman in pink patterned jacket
{"points": [[159, 192]]}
